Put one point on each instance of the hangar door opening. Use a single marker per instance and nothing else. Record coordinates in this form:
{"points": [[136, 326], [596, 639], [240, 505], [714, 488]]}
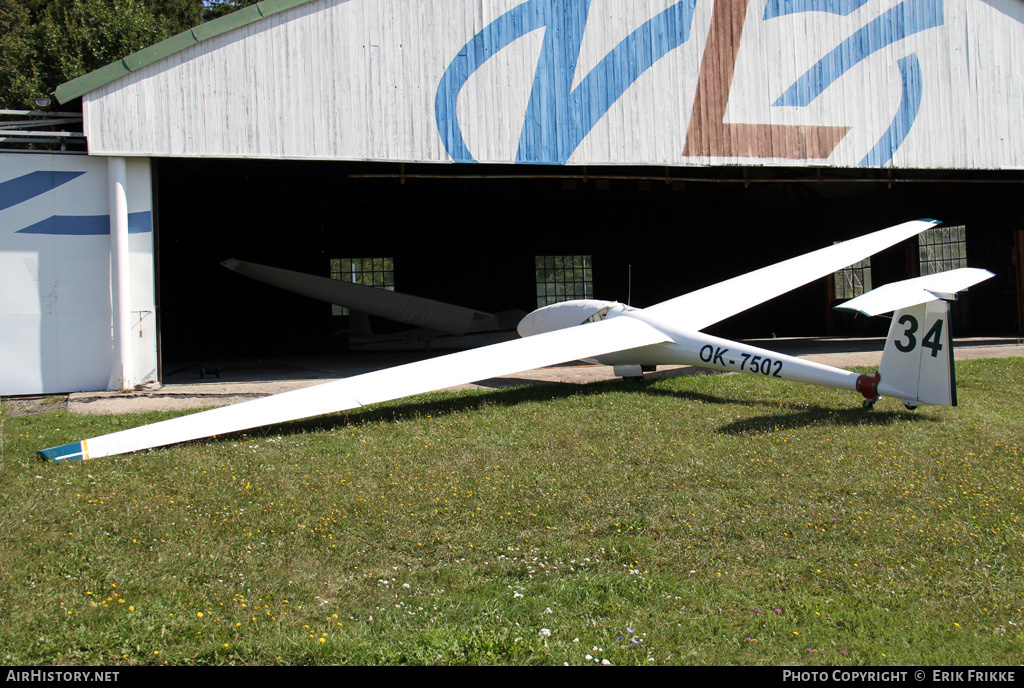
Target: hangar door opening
{"points": [[498, 240]]}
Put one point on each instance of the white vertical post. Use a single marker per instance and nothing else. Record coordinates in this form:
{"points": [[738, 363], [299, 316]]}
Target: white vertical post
{"points": [[120, 284]]}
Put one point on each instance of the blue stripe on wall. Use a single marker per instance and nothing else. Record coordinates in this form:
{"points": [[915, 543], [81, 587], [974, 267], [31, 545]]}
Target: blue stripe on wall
{"points": [[558, 117], [497, 35], [910, 104], [19, 189], [780, 8], [580, 109], [88, 225], [906, 19]]}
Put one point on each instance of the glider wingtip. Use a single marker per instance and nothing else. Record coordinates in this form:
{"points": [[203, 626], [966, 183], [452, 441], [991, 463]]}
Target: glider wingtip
{"points": [[854, 310], [74, 451]]}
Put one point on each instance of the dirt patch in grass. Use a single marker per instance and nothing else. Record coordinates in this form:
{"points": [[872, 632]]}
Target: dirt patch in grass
{"points": [[13, 407]]}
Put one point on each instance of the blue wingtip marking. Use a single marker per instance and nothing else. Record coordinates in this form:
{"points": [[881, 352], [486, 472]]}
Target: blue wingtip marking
{"points": [[73, 451]]}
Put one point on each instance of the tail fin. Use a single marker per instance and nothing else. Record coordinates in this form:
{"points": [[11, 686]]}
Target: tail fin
{"points": [[917, 362]]}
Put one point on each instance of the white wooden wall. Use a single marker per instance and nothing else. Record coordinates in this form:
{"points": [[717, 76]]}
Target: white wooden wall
{"points": [[867, 83]]}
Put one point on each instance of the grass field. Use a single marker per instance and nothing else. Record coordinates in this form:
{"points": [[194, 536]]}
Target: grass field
{"points": [[717, 519]]}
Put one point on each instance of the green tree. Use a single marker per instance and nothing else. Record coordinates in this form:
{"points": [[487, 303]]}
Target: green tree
{"points": [[44, 43], [18, 78], [76, 37]]}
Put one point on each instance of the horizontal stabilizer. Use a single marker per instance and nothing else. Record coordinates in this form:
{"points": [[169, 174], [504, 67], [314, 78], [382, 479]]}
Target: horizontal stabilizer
{"points": [[403, 308], [911, 292]]}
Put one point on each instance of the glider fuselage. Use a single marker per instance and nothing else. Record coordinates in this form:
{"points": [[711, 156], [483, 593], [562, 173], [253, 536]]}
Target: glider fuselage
{"points": [[685, 347]]}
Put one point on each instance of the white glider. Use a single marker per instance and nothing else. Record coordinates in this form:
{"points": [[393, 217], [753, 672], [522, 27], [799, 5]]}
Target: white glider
{"points": [[616, 334]]}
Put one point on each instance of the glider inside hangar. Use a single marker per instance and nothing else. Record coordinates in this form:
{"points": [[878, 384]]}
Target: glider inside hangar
{"points": [[916, 367], [439, 325]]}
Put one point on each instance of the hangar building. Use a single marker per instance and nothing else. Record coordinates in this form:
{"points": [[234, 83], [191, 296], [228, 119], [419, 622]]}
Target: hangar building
{"points": [[500, 154]]}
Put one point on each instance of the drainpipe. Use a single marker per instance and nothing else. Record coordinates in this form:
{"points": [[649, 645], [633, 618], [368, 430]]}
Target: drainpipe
{"points": [[121, 377]]}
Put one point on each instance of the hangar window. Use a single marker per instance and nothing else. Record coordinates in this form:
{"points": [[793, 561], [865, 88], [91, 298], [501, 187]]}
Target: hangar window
{"points": [[852, 281], [370, 272], [563, 278], [942, 248]]}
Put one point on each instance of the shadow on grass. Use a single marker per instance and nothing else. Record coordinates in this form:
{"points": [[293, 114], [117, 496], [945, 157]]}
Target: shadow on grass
{"points": [[819, 416], [398, 411], [788, 417]]}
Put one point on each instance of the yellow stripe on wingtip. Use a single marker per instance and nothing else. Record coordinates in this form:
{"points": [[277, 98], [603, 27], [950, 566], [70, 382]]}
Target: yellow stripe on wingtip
{"points": [[85, 451]]}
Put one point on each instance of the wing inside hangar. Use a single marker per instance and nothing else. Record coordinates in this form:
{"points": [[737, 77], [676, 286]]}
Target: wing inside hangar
{"points": [[404, 308]]}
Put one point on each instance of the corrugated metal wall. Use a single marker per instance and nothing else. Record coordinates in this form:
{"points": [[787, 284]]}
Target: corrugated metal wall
{"points": [[840, 83]]}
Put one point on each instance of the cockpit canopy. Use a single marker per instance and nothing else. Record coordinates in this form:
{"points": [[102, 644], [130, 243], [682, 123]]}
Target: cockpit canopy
{"points": [[558, 316]]}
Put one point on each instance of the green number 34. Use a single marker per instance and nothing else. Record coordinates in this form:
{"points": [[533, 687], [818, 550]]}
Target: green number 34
{"points": [[932, 340]]}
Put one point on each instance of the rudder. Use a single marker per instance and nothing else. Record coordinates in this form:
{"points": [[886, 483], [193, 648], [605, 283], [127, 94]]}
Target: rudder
{"points": [[917, 362]]}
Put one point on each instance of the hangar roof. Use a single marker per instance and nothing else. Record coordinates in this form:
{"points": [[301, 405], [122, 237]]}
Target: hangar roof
{"points": [[79, 86]]}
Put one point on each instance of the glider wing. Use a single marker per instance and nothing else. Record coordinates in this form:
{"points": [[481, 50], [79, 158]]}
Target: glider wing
{"points": [[709, 305], [584, 341]]}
